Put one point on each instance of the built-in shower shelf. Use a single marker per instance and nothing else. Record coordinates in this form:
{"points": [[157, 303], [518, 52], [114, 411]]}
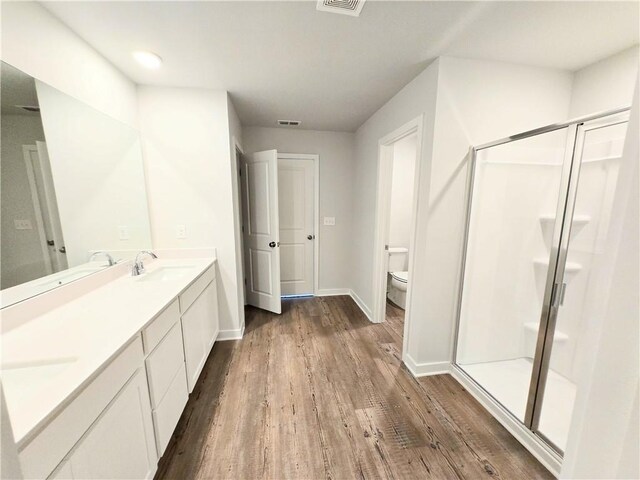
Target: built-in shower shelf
{"points": [[601, 159], [570, 267], [558, 336], [578, 220]]}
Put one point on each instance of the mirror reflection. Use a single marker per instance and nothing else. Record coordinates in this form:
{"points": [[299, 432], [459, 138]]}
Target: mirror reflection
{"points": [[72, 188]]}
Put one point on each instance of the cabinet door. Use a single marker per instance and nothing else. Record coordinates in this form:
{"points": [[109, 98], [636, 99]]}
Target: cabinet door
{"points": [[212, 320], [120, 444], [199, 330]]}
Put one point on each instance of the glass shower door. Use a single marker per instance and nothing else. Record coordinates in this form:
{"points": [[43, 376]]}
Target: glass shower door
{"points": [[597, 158], [511, 251]]}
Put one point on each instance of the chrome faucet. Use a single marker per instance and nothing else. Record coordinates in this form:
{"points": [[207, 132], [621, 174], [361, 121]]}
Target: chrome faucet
{"points": [[138, 266], [106, 254]]}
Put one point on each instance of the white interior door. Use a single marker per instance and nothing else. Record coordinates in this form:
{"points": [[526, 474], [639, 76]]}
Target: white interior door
{"points": [[261, 229], [297, 232], [43, 172], [30, 154]]}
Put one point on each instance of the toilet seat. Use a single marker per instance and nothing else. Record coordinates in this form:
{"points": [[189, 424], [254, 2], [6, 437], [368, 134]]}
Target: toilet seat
{"points": [[400, 276]]}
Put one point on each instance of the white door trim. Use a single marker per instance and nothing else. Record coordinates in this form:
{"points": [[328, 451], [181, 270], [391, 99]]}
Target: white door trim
{"points": [[27, 150], [383, 205], [316, 210], [236, 163]]}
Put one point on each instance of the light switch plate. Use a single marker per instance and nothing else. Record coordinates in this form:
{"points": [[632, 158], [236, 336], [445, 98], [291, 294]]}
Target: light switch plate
{"points": [[22, 224], [181, 231], [123, 232], [329, 220]]}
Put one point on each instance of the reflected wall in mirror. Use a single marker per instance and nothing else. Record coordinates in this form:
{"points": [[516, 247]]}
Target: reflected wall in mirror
{"points": [[72, 184]]}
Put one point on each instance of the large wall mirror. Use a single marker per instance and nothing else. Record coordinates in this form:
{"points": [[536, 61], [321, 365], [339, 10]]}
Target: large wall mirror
{"points": [[72, 186]]}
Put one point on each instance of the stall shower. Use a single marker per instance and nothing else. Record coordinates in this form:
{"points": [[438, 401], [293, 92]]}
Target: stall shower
{"points": [[539, 210]]}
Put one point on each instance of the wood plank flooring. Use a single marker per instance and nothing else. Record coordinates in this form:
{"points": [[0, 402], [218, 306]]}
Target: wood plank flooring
{"points": [[320, 392]]}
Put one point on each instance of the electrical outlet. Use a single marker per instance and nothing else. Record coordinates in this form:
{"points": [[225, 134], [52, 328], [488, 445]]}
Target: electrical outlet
{"points": [[123, 232], [22, 224], [329, 220], [181, 231]]}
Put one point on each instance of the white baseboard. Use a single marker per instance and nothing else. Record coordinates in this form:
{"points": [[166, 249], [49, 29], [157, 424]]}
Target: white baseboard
{"points": [[361, 304], [526, 437], [233, 334], [330, 292], [426, 369]]}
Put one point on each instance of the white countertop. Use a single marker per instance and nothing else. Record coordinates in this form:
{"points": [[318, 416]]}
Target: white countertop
{"points": [[47, 360]]}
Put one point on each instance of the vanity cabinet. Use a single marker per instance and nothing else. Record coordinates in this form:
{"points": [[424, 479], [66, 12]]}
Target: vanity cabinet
{"points": [[200, 326], [121, 422], [120, 444]]}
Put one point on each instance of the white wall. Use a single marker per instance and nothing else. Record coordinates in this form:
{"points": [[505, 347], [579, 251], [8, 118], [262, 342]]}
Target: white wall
{"points": [[416, 99], [404, 165], [186, 145], [336, 179], [39, 44], [605, 85], [22, 258], [477, 101], [603, 440]]}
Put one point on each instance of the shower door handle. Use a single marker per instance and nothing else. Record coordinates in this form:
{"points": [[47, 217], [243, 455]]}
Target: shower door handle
{"points": [[563, 290], [559, 290]]}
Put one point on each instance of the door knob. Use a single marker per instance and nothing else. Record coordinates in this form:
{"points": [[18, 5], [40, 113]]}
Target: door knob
{"points": [[310, 237], [63, 249], [272, 244]]}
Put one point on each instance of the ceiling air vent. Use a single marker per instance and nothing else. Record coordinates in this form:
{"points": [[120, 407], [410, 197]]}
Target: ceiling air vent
{"points": [[289, 123], [346, 7]]}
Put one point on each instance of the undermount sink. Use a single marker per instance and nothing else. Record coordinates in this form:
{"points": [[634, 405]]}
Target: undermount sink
{"points": [[165, 273]]}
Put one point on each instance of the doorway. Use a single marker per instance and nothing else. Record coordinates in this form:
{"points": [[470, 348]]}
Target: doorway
{"points": [[396, 215], [279, 204], [45, 206]]}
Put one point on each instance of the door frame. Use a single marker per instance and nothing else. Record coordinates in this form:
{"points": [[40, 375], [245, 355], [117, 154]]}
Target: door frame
{"points": [[236, 165], [382, 213], [27, 150], [316, 209]]}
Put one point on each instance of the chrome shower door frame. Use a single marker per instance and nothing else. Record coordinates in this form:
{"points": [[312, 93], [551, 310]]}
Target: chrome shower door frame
{"points": [[576, 130]]}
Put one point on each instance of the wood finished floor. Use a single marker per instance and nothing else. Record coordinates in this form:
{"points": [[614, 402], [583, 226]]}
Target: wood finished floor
{"points": [[319, 392]]}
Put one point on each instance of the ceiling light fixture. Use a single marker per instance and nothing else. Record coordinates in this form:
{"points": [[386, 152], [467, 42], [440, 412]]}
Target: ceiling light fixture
{"points": [[147, 59]]}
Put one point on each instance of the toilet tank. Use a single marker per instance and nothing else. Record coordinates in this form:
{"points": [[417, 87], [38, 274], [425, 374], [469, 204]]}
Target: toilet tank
{"points": [[398, 259]]}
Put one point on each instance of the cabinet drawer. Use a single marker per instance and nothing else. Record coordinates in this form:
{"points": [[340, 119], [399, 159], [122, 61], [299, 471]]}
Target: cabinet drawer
{"points": [[166, 416], [41, 456], [159, 327], [195, 289], [164, 362]]}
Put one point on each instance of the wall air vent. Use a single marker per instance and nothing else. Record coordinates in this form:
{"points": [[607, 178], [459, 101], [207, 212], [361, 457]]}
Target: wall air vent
{"points": [[289, 123], [29, 108], [345, 7]]}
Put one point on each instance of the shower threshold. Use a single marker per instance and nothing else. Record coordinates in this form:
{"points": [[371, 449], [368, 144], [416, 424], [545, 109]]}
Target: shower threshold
{"points": [[508, 382]]}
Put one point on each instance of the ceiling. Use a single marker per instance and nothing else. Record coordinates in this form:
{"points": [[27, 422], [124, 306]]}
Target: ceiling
{"points": [[17, 88], [285, 60]]}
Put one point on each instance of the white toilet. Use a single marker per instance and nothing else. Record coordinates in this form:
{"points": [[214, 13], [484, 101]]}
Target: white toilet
{"points": [[398, 276]]}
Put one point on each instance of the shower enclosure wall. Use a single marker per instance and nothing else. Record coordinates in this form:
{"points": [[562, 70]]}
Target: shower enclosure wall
{"points": [[538, 217]]}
